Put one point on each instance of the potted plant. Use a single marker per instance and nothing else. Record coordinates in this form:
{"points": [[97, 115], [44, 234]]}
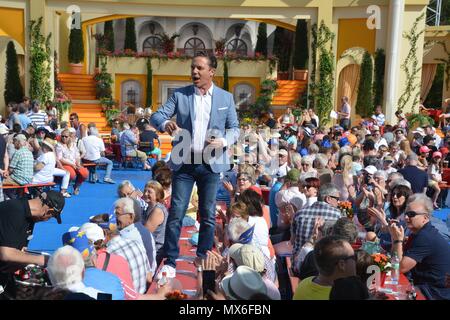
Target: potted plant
{"points": [[383, 262], [168, 43], [220, 47], [62, 102], [76, 51]]}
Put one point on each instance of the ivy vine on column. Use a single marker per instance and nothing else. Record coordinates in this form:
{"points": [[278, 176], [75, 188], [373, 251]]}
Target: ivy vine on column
{"points": [[40, 63]]}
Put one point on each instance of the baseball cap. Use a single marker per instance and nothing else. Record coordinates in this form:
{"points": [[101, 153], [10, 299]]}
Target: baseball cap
{"points": [[375, 128], [420, 131], [55, 201], [424, 149], [343, 142], [388, 158], [293, 175], [437, 154], [247, 255], [93, 231], [293, 128], [79, 241], [370, 169], [20, 137]]}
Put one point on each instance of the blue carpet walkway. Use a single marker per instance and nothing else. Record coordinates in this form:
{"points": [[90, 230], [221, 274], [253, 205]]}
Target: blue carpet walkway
{"points": [[93, 199]]}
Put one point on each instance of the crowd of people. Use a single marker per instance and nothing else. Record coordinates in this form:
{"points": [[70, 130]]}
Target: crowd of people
{"points": [[327, 199]]}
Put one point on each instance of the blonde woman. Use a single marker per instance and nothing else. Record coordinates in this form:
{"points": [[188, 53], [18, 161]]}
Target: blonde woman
{"points": [[69, 156], [344, 180]]}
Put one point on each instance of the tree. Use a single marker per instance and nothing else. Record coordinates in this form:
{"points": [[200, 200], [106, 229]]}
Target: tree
{"points": [[378, 83], [76, 48], [301, 53], [261, 43], [130, 35], [13, 87], [108, 31], [148, 101], [282, 47], [364, 106]]}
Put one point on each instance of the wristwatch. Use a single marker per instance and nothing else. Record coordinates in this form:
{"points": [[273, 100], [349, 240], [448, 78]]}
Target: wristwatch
{"points": [[199, 269], [398, 241]]}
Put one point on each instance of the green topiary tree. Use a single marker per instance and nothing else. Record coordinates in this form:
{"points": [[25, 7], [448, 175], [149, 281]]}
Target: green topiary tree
{"points": [[148, 101], [130, 35], [13, 87], [261, 43], [378, 83], [76, 48], [301, 45], [282, 45], [108, 31], [364, 103]]}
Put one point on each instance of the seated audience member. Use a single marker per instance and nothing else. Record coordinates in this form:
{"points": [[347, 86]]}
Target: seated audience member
{"points": [[303, 223], [66, 270], [127, 190], [95, 152], [21, 165], [335, 259], [131, 227], [129, 142], [92, 277], [69, 156], [147, 141], [426, 253], [45, 165], [243, 284], [115, 131], [155, 217]]}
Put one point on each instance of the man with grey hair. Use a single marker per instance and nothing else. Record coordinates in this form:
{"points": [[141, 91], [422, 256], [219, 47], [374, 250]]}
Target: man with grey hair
{"points": [[131, 227], [426, 253], [304, 220], [95, 152], [22, 163], [417, 177], [66, 269]]}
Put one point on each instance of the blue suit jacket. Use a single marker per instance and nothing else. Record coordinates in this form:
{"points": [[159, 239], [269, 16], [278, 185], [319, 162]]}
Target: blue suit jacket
{"points": [[223, 122]]}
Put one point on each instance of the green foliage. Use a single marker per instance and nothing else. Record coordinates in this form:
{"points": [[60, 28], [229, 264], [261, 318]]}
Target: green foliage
{"points": [[261, 43], [13, 87], [434, 98], [103, 82], [411, 68], [262, 103], [111, 114], [226, 84], [108, 31], [76, 48], [378, 83], [419, 120], [321, 89], [130, 35], [301, 45], [148, 101], [364, 106], [40, 63]]}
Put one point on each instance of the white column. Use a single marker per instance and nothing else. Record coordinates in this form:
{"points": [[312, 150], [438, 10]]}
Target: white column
{"points": [[395, 23]]}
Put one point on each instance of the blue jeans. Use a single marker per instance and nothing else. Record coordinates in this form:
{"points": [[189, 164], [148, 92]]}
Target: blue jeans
{"points": [[109, 166], [182, 183]]}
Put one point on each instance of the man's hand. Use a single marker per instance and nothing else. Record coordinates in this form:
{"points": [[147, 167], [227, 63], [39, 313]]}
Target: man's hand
{"points": [[379, 214], [397, 233], [215, 143], [171, 127], [228, 186]]}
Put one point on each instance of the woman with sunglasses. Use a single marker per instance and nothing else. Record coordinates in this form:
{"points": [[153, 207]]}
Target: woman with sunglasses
{"points": [[393, 213], [69, 156]]}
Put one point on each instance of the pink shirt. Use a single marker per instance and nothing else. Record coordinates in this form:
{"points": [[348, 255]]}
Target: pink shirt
{"points": [[119, 266]]}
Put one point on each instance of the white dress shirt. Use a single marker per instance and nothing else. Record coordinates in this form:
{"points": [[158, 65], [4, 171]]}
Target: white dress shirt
{"points": [[202, 110]]}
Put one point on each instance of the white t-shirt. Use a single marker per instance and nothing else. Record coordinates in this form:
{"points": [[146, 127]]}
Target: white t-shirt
{"points": [[260, 234], [94, 146], [46, 173]]}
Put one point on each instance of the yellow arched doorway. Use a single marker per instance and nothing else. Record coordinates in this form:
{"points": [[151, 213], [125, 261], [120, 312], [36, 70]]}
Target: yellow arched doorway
{"points": [[348, 84]]}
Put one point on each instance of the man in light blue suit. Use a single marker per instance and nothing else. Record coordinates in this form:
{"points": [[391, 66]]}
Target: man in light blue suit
{"points": [[206, 126]]}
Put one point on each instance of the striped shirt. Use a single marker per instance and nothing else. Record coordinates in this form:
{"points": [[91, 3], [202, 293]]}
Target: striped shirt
{"points": [[134, 253], [22, 164], [303, 223], [39, 118]]}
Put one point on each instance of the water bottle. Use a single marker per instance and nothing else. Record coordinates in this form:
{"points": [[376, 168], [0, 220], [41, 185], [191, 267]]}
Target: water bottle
{"points": [[163, 281], [395, 273]]}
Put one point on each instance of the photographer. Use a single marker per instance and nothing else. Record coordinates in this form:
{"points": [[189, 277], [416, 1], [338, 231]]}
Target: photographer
{"points": [[17, 218]]}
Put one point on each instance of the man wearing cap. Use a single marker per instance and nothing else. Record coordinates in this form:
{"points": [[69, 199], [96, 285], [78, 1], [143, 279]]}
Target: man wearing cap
{"points": [[21, 166], [418, 178], [283, 164], [17, 219]]}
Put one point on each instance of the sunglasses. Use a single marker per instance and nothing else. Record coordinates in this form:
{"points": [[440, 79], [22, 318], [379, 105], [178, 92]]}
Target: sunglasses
{"points": [[335, 198], [412, 214], [398, 195], [64, 136], [242, 179]]}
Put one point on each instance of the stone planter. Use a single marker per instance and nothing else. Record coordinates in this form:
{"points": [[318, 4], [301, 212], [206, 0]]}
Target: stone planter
{"points": [[76, 68], [301, 75]]}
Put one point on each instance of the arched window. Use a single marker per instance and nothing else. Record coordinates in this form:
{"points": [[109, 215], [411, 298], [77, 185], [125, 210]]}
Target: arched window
{"points": [[152, 43], [237, 46], [194, 46], [244, 95]]}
